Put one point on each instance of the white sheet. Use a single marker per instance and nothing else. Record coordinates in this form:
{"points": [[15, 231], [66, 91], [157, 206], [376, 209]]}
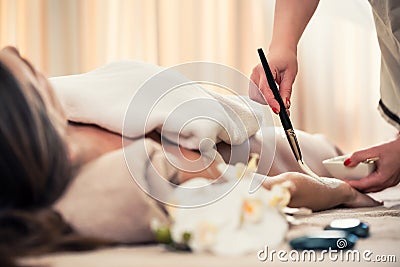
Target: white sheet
{"points": [[186, 115]]}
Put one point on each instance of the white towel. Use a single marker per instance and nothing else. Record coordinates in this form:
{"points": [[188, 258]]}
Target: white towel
{"points": [[185, 114], [105, 189]]}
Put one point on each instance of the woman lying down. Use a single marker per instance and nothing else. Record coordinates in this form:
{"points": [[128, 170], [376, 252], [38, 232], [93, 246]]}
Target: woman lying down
{"points": [[65, 184]]}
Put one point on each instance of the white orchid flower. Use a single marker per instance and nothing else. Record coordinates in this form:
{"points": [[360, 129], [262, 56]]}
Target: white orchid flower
{"points": [[236, 222]]}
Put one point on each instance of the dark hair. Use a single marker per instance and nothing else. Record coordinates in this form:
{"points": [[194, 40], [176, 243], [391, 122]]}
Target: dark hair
{"points": [[34, 165], [34, 172]]}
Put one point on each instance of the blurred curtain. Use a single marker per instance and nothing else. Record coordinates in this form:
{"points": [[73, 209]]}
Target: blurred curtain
{"points": [[336, 92], [70, 36]]}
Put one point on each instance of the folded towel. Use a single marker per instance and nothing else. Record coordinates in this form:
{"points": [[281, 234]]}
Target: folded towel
{"points": [[100, 194], [133, 98]]}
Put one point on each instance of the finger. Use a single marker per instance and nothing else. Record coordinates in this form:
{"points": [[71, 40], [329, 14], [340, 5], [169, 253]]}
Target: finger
{"points": [[369, 189], [366, 183], [373, 189], [254, 91], [286, 102], [379, 187], [268, 95], [255, 94], [361, 156], [285, 87], [266, 90], [277, 77], [255, 75]]}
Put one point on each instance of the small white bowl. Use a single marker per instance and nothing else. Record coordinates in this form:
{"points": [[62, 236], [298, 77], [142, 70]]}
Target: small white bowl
{"points": [[336, 168]]}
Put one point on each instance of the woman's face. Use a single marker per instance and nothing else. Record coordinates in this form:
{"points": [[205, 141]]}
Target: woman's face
{"points": [[30, 79]]}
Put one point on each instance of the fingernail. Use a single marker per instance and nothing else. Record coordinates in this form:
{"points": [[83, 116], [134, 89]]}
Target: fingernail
{"points": [[347, 162], [288, 103], [275, 110]]}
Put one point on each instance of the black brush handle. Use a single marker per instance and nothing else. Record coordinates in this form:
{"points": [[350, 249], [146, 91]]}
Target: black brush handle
{"points": [[287, 125]]}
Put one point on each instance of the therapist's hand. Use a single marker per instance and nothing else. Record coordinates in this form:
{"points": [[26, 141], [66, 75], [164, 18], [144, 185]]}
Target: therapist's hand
{"points": [[283, 64], [387, 171]]}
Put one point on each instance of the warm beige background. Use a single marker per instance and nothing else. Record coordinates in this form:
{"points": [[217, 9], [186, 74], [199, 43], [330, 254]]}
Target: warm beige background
{"points": [[336, 90]]}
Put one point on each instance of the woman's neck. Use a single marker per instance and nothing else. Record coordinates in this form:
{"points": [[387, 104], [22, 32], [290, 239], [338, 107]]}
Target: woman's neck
{"points": [[89, 142]]}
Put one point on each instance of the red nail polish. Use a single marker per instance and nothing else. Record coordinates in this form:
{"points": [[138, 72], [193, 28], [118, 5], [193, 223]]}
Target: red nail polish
{"points": [[347, 162], [288, 103], [275, 110]]}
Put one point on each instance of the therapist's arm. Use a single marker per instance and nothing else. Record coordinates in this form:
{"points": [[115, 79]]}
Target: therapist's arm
{"points": [[290, 20]]}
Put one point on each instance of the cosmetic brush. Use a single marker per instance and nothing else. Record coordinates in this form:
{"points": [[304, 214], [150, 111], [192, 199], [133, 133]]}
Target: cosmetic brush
{"points": [[285, 120]]}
